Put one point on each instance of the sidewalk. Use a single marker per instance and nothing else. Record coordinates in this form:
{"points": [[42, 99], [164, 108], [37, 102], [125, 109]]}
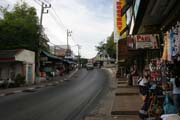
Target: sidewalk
{"points": [[122, 102], [31, 88], [127, 101]]}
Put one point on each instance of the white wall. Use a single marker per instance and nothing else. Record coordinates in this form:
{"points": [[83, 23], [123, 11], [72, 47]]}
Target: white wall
{"points": [[26, 56], [8, 68]]}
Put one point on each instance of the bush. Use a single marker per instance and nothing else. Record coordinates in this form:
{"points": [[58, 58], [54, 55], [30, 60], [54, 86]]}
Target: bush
{"points": [[19, 80]]}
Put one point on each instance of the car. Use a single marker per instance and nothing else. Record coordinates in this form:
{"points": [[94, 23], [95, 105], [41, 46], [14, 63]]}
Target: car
{"points": [[89, 66]]}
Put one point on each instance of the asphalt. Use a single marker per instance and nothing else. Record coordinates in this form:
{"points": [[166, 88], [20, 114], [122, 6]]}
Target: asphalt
{"points": [[30, 88], [66, 101], [121, 102]]}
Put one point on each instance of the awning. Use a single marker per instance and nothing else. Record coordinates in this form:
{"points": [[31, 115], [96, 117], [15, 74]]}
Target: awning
{"points": [[52, 56], [126, 6], [69, 61]]}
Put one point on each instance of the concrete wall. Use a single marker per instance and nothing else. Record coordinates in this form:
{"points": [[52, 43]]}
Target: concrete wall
{"points": [[10, 70], [26, 56], [28, 59], [24, 64]]}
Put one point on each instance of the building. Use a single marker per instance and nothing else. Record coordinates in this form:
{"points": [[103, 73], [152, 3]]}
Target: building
{"points": [[147, 21], [14, 62]]}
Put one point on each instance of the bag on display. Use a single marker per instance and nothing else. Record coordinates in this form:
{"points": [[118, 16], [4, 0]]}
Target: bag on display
{"points": [[168, 106]]}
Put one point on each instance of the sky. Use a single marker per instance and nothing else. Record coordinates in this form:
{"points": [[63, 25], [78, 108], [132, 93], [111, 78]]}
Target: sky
{"points": [[91, 21]]}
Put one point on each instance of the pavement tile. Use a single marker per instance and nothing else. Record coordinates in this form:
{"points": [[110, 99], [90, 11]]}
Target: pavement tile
{"points": [[121, 82], [126, 117], [126, 103], [127, 90]]}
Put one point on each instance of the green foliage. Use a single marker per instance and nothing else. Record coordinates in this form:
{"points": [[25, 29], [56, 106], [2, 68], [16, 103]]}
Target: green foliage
{"points": [[19, 80], [101, 47], [109, 47], [19, 28]]}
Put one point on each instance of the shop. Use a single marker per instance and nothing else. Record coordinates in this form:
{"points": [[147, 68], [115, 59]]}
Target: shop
{"points": [[163, 80], [141, 48]]}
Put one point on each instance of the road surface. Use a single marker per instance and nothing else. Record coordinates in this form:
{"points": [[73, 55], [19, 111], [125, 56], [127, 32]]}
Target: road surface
{"points": [[67, 101]]}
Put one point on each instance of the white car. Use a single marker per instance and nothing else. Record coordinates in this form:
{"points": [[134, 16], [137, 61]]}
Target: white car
{"points": [[89, 66]]}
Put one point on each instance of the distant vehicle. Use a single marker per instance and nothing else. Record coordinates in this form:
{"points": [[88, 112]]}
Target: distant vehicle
{"points": [[89, 66]]}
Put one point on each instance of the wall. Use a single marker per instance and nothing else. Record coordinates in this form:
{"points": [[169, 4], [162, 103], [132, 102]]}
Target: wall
{"points": [[26, 56], [10, 70], [28, 59]]}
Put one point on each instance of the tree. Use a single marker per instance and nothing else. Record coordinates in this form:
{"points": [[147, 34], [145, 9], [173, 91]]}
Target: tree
{"points": [[101, 47], [109, 47], [19, 28]]}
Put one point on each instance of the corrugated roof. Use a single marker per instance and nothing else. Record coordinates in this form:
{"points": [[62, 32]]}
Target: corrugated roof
{"points": [[9, 53]]}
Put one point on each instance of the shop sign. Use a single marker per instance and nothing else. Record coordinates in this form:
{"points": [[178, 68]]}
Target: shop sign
{"points": [[146, 41], [44, 58], [119, 21], [130, 42]]}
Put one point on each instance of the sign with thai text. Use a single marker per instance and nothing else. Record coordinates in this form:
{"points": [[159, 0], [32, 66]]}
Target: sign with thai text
{"points": [[143, 41], [119, 21]]}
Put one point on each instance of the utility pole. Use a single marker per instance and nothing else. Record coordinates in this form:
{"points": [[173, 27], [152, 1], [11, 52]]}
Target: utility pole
{"points": [[68, 35], [79, 47], [43, 8]]}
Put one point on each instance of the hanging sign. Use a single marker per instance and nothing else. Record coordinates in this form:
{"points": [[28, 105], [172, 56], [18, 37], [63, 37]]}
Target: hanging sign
{"points": [[146, 41], [119, 21]]}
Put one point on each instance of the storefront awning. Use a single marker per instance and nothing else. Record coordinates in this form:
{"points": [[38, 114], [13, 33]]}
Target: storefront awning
{"points": [[157, 16], [126, 6], [52, 56]]}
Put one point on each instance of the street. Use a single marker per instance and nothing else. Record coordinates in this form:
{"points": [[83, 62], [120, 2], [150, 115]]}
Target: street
{"points": [[66, 101]]}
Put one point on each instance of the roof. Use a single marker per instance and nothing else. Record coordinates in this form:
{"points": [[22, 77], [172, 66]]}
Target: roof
{"points": [[9, 53], [58, 58], [52, 56]]}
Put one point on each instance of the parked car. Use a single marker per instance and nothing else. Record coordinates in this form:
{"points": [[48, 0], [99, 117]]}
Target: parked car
{"points": [[89, 66]]}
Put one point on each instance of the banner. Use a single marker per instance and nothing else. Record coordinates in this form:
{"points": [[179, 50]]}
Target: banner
{"points": [[147, 41], [119, 21]]}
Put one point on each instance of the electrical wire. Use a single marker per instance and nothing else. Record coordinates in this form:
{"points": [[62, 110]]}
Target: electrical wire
{"points": [[37, 2], [59, 19]]}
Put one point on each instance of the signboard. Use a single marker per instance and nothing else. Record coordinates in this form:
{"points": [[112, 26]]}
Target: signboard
{"points": [[130, 42], [68, 52], [143, 41], [119, 21], [146, 41], [44, 58]]}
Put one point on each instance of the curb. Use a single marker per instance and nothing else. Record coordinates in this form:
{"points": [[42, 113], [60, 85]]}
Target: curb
{"points": [[33, 89]]}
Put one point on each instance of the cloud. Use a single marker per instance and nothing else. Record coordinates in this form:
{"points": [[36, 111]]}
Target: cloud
{"points": [[91, 21]]}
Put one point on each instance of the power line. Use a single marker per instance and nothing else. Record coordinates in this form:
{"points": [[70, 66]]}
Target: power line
{"points": [[47, 1], [59, 19], [37, 2]]}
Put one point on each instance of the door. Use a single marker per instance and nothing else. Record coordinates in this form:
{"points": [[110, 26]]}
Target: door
{"points": [[29, 76]]}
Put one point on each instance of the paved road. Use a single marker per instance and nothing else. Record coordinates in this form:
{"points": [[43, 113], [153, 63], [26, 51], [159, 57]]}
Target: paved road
{"points": [[62, 102]]}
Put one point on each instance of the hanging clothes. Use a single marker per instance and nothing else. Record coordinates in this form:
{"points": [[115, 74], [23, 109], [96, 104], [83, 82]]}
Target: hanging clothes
{"points": [[164, 55], [170, 45]]}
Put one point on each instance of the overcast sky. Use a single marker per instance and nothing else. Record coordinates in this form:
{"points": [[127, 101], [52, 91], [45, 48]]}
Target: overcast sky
{"points": [[91, 21]]}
